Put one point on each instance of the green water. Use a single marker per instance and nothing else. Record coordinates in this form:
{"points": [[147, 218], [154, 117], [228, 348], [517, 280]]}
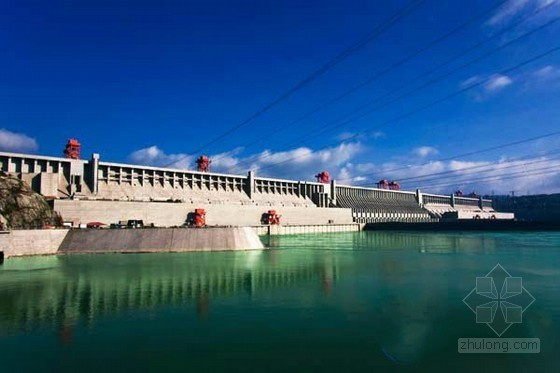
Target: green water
{"points": [[366, 301]]}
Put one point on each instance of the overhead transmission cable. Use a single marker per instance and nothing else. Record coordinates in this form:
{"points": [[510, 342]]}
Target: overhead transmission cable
{"points": [[392, 67], [342, 121], [486, 167], [408, 8], [431, 104], [508, 163], [464, 155], [518, 174], [381, 73]]}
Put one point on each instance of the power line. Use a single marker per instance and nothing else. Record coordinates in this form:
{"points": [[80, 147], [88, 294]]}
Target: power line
{"points": [[459, 178], [409, 7], [464, 176], [468, 154], [505, 164], [390, 68], [518, 174], [432, 104], [340, 122]]}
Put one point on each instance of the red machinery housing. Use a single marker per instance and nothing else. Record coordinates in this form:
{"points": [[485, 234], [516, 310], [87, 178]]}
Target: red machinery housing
{"points": [[203, 163], [272, 218], [385, 184], [393, 185], [72, 149], [323, 177], [199, 218]]}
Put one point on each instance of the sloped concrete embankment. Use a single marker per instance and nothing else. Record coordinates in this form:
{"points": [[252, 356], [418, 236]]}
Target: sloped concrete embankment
{"points": [[61, 241], [160, 240]]}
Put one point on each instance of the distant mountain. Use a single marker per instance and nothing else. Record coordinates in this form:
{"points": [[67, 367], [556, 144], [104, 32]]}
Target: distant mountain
{"points": [[542, 207]]}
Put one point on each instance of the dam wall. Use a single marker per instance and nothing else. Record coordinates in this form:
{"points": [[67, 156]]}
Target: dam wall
{"points": [[92, 190], [93, 179], [371, 205], [167, 214], [80, 241]]}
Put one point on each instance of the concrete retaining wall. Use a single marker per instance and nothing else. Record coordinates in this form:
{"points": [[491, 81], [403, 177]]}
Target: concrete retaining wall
{"points": [[306, 229], [160, 240], [167, 214], [32, 242], [63, 241]]}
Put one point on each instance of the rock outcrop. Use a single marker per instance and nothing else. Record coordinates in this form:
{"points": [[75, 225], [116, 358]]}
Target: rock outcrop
{"points": [[22, 208]]}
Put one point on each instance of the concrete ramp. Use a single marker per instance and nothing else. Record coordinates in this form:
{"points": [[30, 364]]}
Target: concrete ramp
{"points": [[159, 240]]}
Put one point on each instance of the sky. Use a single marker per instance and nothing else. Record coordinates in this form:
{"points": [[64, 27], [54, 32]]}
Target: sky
{"points": [[161, 82]]}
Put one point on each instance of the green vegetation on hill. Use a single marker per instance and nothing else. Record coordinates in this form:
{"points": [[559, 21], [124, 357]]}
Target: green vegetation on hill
{"points": [[22, 208]]}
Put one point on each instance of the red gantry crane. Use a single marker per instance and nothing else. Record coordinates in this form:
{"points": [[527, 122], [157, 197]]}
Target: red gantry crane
{"points": [[203, 163], [385, 184], [323, 177], [393, 185], [72, 149]]}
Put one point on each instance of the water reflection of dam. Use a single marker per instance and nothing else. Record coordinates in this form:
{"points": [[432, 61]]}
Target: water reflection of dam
{"points": [[380, 298], [68, 289], [72, 288]]}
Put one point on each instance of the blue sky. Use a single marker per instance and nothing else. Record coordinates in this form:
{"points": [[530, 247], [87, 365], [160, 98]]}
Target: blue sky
{"points": [[150, 81]]}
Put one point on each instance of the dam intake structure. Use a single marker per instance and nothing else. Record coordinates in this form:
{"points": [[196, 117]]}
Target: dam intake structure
{"points": [[84, 191]]}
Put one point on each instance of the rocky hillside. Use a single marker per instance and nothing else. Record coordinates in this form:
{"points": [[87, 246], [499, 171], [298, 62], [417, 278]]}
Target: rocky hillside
{"points": [[22, 208]]}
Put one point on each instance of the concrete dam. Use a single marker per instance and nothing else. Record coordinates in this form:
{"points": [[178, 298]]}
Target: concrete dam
{"points": [[83, 191]]}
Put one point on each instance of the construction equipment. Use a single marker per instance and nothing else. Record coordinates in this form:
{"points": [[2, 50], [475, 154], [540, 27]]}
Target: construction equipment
{"points": [[72, 149], [393, 185], [203, 163], [199, 218], [459, 193], [271, 218], [323, 177]]}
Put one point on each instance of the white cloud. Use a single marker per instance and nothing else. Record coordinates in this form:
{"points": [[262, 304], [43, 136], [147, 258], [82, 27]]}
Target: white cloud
{"points": [[516, 9], [300, 163], [547, 73], [16, 142], [470, 81], [424, 151], [341, 161], [486, 85], [377, 134], [345, 136], [509, 10], [497, 82], [499, 176], [154, 156]]}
